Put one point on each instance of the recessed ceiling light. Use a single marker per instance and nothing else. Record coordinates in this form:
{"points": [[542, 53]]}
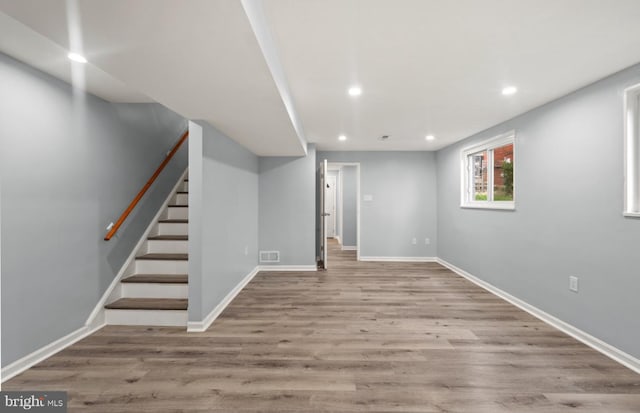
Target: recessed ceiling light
{"points": [[429, 137], [355, 91], [509, 90], [77, 57], [342, 138]]}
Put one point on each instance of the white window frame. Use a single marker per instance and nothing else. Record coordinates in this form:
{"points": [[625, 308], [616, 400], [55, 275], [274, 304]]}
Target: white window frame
{"points": [[466, 172], [632, 151]]}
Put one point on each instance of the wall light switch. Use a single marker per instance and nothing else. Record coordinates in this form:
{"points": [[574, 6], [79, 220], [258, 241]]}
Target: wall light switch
{"points": [[414, 241], [573, 283], [367, 197], [427, 241]]}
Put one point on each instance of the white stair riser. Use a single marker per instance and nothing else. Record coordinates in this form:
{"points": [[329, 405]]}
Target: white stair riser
{"points": [[152, 290], [181, 199], [161, 267], [164, 228], [166, 246], [177, 213], [146, 317], [166, 275]]}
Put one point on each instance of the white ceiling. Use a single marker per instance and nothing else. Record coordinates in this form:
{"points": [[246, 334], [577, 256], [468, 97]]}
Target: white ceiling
{"points": [[26, 45], [425, 66], [438, 67], [199, 58]]}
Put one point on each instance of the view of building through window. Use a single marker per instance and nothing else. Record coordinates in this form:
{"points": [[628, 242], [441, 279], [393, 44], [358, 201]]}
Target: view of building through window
{"points": [[502, 173]]}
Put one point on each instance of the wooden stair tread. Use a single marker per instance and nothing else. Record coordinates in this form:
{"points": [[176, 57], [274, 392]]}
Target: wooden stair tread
{"points": [[174, 221], [148, 304], [164, 256], [169, 238], [157, 278]]}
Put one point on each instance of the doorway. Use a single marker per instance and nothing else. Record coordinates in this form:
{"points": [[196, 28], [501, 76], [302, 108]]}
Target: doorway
{"points": [[338, 211], [330, 199]]}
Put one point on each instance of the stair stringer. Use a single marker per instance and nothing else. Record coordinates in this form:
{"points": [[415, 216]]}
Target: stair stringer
{"points": [[97, 317]]}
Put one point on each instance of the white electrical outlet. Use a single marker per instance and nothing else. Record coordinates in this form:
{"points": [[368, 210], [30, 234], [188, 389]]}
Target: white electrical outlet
{"points": [[573, 283], [427, 241], [414, 241], [246, 250]]}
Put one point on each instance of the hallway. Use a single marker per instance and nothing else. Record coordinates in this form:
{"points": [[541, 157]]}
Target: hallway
{"points": [[339, 259]]}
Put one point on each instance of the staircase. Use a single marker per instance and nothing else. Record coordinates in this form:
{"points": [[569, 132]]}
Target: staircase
{"points": [[154, 289]]}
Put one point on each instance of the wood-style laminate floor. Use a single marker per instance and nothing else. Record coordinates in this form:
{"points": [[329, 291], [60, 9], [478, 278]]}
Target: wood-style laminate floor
{"points": [[360, 337]]}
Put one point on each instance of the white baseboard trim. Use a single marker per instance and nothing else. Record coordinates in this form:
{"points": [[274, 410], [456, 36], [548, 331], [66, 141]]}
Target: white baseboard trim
{"points": [[45, 352], [97, 316], [349, 247], [399, 259], [287, 268], [586, 338], [201, 326]]}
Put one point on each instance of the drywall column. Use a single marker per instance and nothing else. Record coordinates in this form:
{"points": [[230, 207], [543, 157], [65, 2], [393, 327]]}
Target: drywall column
{"points": [[195, 222], [230, 216], [223, 221]]}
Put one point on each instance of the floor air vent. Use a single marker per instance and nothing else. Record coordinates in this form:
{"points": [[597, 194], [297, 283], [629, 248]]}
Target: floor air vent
{"points": [[269, 256]]}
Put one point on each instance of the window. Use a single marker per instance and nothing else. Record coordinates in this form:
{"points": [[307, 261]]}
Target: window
{"points": [[487, 173], [632, 151]]}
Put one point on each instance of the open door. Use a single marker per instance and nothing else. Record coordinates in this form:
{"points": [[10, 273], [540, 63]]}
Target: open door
{"points": [[322, 172]]}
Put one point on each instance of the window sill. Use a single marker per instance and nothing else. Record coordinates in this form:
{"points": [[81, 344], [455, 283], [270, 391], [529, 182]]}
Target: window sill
{"points": [[507, 206], [631, 214]]}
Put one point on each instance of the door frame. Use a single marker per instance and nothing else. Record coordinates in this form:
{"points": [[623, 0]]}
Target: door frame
{"points": [[358, 200], [322, 176]]}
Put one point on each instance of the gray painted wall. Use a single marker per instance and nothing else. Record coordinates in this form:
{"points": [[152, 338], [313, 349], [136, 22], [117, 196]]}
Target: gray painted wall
{"points": [[350, 206], [70, 163], [288, 207], [229, 220], [568, 218], [403, 186]]}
